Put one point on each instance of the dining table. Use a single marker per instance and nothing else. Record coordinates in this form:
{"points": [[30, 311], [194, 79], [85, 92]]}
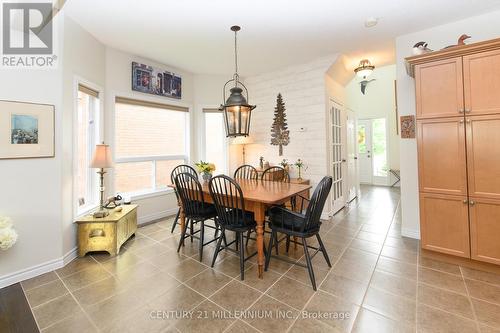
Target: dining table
{"points": [[258, 196]]}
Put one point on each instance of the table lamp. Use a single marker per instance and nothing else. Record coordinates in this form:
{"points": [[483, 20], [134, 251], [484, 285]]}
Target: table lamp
{"points": [[242, 140], [101, 160]]}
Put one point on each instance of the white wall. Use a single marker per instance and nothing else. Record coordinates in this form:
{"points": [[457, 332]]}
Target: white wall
{"points": [[118, 71], [378, 102], [481, 27], [83, 60], [31, 188], [305, 96]]}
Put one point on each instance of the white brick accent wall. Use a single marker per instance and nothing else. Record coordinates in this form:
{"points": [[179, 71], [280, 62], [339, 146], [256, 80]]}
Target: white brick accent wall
{"points": [[304, 93]]}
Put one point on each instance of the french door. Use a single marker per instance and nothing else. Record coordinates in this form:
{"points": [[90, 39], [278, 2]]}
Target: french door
{"points": [[337, 156], [372, 150]]}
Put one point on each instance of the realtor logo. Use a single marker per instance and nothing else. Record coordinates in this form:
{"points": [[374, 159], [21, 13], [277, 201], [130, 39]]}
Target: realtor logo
{"points": [[27, 35]]}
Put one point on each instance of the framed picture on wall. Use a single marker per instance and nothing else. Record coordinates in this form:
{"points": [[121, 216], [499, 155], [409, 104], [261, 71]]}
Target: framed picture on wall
{"points": [[152, 80], [26, 130]]}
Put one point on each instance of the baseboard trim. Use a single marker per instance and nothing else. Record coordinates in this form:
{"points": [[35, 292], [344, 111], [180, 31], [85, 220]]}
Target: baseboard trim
{"points": [[156, 216], [411, 233], [36, 270]]}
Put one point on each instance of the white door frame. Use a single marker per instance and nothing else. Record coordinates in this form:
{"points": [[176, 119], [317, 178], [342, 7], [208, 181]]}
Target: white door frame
{"points": [[352, 177], [375, 180]]}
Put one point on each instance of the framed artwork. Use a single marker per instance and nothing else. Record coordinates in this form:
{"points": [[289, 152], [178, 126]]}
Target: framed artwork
{"points": [[408, 127], [151, 80], [26, 130]]}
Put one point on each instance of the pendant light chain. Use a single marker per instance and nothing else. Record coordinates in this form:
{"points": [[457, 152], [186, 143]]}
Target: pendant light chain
{"points": [[236, 56]]}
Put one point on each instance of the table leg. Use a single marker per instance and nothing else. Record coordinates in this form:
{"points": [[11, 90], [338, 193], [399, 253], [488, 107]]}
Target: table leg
{"points": [[259, 218]]}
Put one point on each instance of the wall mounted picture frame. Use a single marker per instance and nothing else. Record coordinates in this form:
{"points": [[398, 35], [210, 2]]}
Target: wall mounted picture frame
{"points": [[155, 81], [408, 127], [26, 130]]}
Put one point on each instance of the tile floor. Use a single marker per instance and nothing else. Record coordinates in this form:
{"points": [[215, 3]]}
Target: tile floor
{"points": [[378, 283]]}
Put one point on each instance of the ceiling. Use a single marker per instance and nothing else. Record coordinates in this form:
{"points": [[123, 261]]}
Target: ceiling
{"points": [[194, 35]]}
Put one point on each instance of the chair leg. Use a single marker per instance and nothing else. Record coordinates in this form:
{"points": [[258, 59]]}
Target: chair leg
{"points": [[276, 243], [217, 249], [202, 238], [323, 250], [287, 243], [249, 232], [242, 256], [237, 242], [224, 237], [268, 254], [192, 230], [181, 241], [309, 264], [176, 220]]}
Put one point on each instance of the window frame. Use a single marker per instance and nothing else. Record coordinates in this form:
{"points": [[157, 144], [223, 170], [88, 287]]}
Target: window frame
{"points": [[92, 184], [203, 137], [152, 158]]}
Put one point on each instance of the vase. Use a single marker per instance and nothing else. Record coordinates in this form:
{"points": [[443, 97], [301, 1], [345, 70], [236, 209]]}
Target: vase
{"points": [[206, 177]]}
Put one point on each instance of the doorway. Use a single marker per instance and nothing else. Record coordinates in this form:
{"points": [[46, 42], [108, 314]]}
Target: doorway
{"points": [[372, 150]]}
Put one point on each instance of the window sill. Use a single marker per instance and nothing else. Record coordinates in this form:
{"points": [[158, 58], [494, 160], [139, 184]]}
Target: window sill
{"points": [[147, 195], [86, 211]]}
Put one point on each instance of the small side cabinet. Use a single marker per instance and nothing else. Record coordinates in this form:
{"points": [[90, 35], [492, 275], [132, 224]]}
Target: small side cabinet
{"points": [[107, 233]]}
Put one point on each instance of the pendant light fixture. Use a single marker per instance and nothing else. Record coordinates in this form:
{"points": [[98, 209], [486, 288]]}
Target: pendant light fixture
{"points": [[364, 69], [236, 109]]}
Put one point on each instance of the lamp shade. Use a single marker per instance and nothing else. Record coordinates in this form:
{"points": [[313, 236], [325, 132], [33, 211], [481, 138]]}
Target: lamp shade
{"points": [[102, 157]]}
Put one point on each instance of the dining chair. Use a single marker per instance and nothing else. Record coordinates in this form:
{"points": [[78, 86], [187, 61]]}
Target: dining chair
{"points": [[178, 170], [230, 205], [246, 172], [196, 210], [276, 174], [302, 226]]}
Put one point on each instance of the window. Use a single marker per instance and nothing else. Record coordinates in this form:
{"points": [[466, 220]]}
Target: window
{"points": [[87, 121], [215, 140], [150, 140]]}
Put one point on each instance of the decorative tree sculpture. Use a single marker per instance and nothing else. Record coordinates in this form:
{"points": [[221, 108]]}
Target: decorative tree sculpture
{"points": [[280, 135]]}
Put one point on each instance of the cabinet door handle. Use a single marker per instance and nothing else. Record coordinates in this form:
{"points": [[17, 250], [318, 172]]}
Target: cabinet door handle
{"points": [[465, 201], [461, 110], [461, 121], [467, 110], [468, 121], [472, 203]]}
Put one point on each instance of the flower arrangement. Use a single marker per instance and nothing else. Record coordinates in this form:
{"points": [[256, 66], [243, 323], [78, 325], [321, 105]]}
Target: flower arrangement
{"points": [[284, 163], [206, 169], [8, 236], [300, 165]]}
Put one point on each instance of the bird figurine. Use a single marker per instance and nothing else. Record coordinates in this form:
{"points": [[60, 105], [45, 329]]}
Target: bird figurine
{"points": [[420, 48], [460, 42], [363, 84]]}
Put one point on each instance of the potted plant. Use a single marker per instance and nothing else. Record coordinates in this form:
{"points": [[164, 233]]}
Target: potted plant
{"points": [[284, 163], [300, 165], [206, 169]]}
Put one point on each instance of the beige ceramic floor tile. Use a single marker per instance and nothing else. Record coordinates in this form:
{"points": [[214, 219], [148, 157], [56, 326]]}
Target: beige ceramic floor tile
{"points": [[344, 288], [280, 318], [235, 296], [487, 313], [430, 320], [39, 280], [445, 300], [483, 291], [208, 282], [291, 292], [333, 311], [371, 322], [46, 292], [56, 310], [442, 280], [389, 305], [394, 284]]}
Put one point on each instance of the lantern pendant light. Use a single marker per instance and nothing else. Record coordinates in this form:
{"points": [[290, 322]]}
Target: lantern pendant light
{"points": [[237, 111]]}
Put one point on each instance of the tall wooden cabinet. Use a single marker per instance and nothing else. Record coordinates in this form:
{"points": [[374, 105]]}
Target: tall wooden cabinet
{"points": [[458, 139]]}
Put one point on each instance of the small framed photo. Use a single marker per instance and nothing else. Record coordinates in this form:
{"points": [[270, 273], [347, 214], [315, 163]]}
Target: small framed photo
{"points": [[26, 130]]}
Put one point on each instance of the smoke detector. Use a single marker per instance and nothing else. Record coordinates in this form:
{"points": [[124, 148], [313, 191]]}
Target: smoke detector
{"points": [[371, 22]]}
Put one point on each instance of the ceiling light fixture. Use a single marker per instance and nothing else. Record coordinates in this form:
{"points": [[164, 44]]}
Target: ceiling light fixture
{"points": [[236, 109], [364, 69], [371, 22]]}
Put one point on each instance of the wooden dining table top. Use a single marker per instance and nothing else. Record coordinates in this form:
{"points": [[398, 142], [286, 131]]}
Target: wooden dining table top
{"points": [[267, 192]]}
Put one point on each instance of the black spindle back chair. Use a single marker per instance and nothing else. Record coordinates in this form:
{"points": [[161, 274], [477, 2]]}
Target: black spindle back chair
{"points": [[231, 215], [303, 226], [176, 171], [246, 172], [195, 208], [276, 174]]}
